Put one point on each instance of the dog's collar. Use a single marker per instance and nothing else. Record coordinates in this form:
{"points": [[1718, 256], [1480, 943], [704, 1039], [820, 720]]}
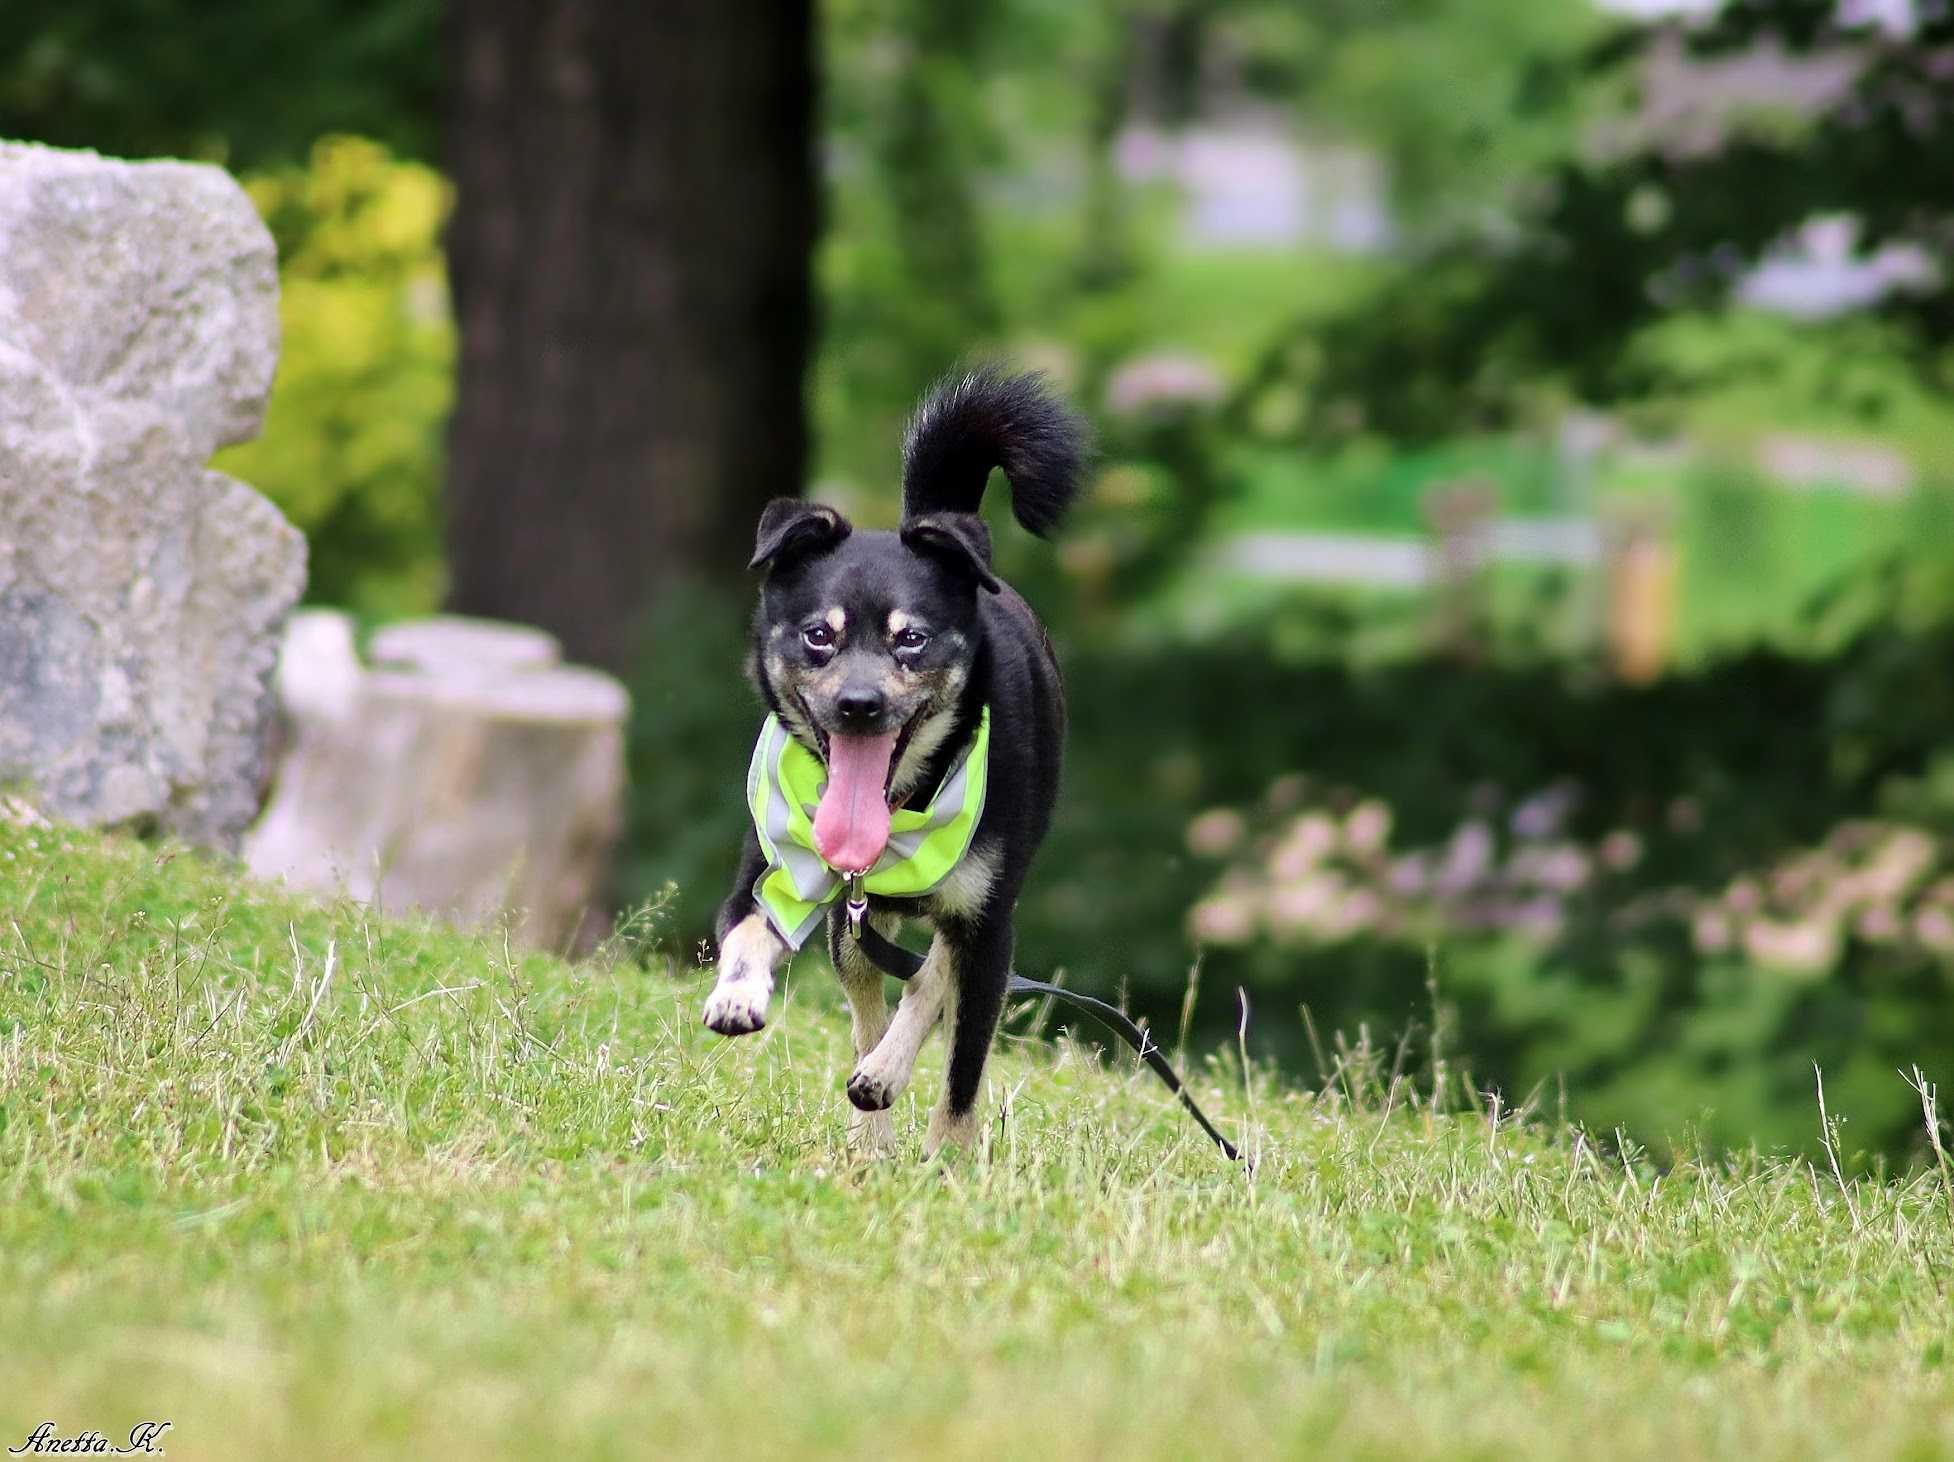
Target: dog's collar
{"points": [[783, 788]]}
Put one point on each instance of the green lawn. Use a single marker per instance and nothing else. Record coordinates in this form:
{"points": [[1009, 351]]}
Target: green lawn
{"points": [[454, 1203]]}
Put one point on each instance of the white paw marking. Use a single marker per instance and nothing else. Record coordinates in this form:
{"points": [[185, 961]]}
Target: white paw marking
{"points": [[738, 1009], [737, 1005], [881, 1076], [875, 1089]]}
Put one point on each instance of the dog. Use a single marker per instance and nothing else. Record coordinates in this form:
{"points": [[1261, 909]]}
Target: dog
{"points": [[906, 684]]}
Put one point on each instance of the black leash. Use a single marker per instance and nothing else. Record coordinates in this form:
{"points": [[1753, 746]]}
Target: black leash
{"points": [[892, 959]]}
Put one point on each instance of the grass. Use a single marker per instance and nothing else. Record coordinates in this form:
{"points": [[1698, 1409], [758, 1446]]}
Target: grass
{"points": [[456, 1201]]}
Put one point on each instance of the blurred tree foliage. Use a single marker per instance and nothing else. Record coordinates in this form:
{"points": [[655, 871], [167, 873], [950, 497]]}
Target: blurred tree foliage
{"points": [[905, 109], [1646, 220], [352, 446], [243, 82], [1715, 776], [923, 104], [975, 202], [1464, 103]]}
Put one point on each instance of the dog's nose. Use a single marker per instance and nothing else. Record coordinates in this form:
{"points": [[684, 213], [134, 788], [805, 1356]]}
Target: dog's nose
{"points": [[860, 706]]}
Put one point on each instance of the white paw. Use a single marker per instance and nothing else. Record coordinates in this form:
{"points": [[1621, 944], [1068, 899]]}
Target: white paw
{"points": [[738, 1007], [748, 957], [876, 1084]]}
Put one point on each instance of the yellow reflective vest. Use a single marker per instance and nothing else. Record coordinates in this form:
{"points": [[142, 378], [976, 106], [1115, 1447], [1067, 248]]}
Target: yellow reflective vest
{"points": [[783, 788]]}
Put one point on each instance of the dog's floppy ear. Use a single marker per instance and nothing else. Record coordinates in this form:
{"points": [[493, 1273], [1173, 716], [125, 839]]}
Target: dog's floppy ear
{"points": [[791, 528], [959, 540]]}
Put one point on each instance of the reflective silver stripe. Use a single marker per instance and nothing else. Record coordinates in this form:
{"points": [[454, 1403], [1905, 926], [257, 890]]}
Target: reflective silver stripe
{"points": [[797, 937], [943, 810], [812, 879], [755, 771]]}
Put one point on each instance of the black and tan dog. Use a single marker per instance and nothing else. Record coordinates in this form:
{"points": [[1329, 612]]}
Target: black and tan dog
{"points": [[920, 682]]}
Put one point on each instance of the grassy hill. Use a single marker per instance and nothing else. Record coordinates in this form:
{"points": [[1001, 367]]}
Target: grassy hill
{"points": [[312, 1183]]}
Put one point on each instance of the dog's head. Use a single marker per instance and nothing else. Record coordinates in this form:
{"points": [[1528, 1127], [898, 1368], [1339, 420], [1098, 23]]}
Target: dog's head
{"points": [[864, 643]]}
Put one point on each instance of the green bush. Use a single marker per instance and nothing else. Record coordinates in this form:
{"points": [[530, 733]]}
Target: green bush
{"points": [[1777, 768], [352, 445]]}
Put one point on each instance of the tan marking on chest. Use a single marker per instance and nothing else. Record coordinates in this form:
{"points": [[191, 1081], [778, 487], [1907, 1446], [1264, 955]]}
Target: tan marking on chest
{"points": [[923, 744], [964, 889]]}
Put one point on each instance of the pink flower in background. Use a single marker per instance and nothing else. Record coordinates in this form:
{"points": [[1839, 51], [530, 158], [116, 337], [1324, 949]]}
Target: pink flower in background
{"points": [[1164, 381], [1368, 828], [1808, 946], [1357, 911], [1562, 867], [1222, 919], [1543, 814], [1934, 927], [1216, 832], [1879, 925], [1302, 904], [1309, 840], [1620, 851], [1899, 863], [1710, 930], [1410, 875], [1540, 917], [1331, 878], [1468, 858]]}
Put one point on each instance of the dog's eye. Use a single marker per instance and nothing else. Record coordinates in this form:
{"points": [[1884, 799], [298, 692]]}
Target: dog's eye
{"points": [[911, 639], [819, 637]]}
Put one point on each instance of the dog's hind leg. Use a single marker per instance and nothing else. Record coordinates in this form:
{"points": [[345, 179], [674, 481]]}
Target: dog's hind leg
{"points": [[983, 968], [868, 1009], [884, 1072]]}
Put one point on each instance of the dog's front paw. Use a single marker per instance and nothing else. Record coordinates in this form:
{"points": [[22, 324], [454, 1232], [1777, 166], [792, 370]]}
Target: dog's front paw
{"points": [[872, 1090], [737, 1007], [748, 957]]}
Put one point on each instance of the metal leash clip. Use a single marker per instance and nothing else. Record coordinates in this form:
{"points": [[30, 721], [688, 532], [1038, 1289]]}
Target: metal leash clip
{"points": [[857, 903]]}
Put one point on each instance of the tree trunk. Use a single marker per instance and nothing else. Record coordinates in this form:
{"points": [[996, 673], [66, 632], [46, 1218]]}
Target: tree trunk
{"points": [[630, 256]]}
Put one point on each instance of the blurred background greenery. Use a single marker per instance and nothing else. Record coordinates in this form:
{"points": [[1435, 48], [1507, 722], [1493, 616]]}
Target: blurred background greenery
{"points": [[1517, 595]]}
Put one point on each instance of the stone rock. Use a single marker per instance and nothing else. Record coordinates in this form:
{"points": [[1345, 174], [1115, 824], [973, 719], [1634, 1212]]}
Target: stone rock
{"points": [[141, 593], [466, 773], [451, 644]]}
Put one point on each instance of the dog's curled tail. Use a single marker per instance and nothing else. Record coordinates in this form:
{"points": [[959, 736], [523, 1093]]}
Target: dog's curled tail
{"points": [[975, 420]]}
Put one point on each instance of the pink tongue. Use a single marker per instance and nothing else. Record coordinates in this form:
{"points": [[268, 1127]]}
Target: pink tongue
{"points": [[851, 825]]}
